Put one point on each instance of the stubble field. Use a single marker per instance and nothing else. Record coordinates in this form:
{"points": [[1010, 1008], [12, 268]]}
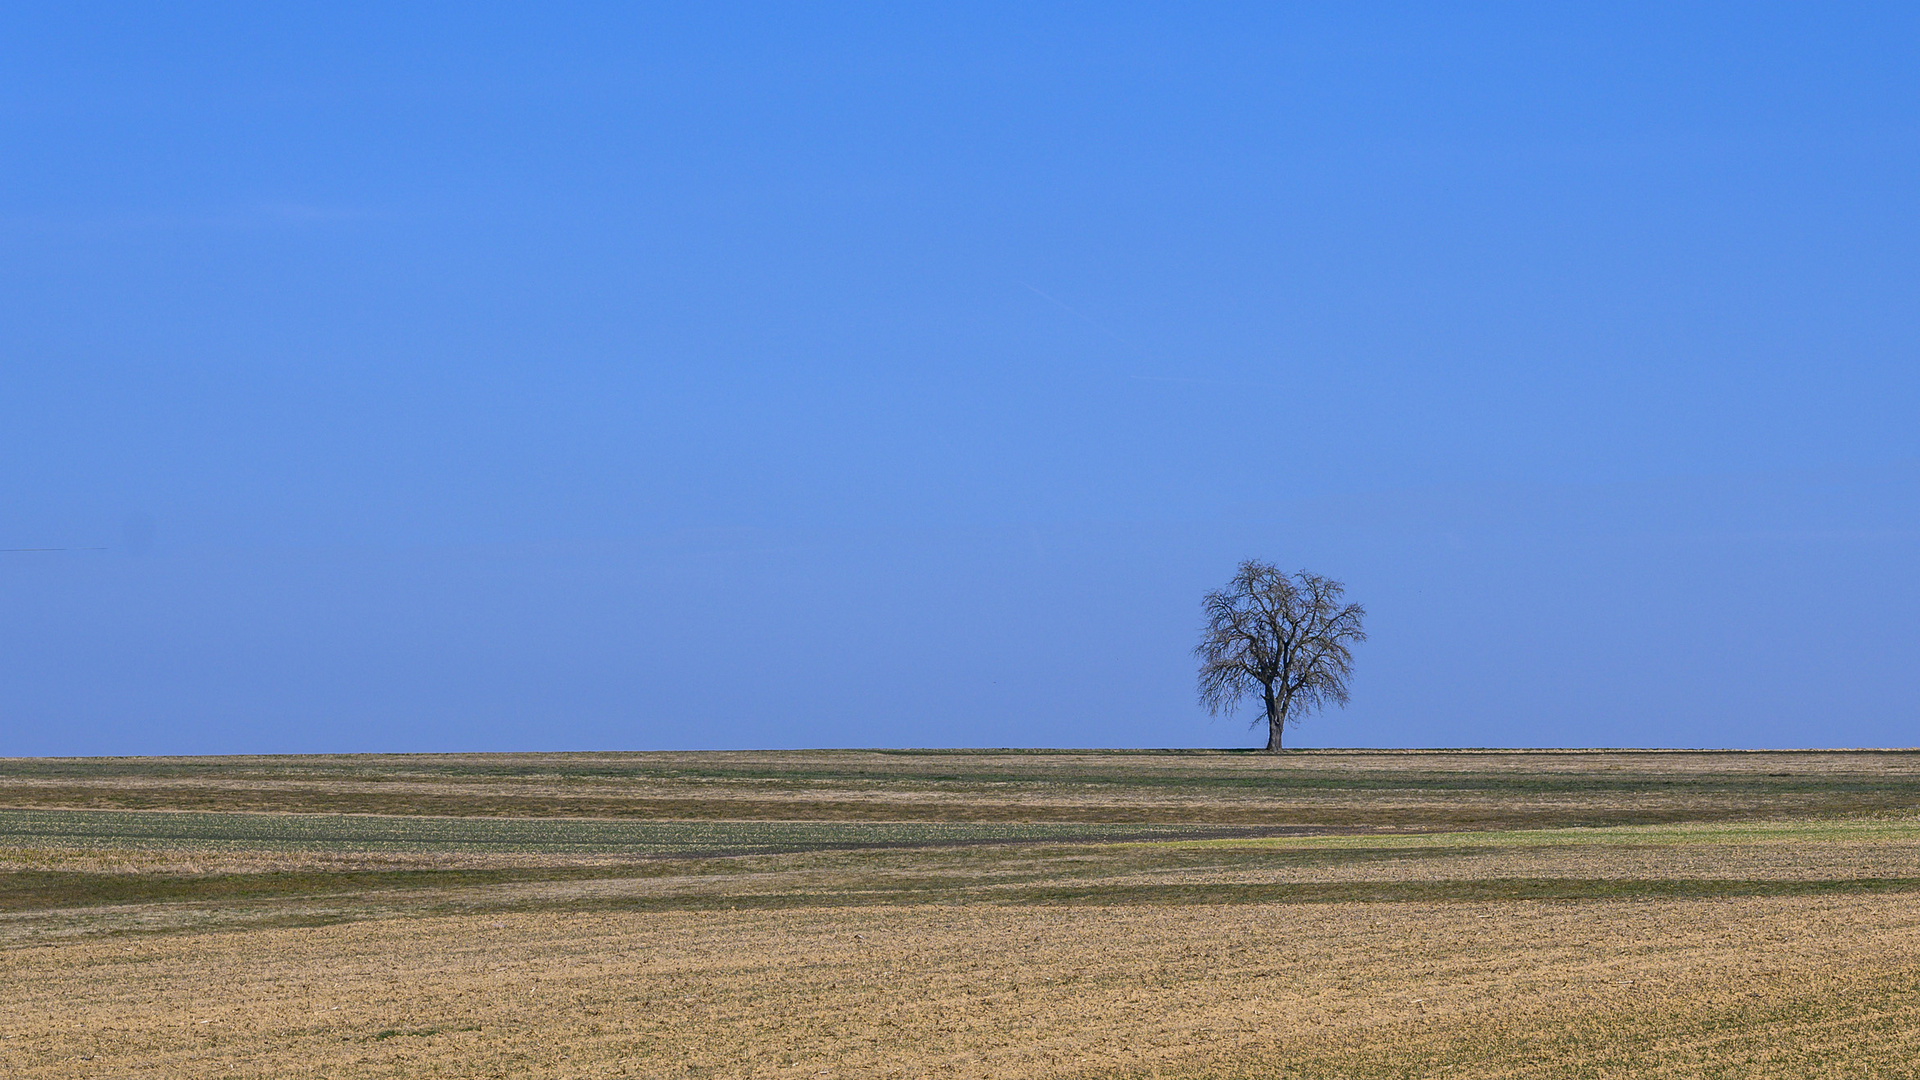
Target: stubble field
{"points": [[1186, 914]]}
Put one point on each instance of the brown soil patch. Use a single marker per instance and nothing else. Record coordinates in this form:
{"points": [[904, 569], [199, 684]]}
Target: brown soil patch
{"points": [[1751, 987]]}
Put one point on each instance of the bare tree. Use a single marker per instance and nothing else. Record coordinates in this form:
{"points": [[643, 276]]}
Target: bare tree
{"points": [[1285, 637]]}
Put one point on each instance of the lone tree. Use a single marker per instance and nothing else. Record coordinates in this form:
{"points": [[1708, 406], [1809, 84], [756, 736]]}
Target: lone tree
{"points": [[1285, 637]]}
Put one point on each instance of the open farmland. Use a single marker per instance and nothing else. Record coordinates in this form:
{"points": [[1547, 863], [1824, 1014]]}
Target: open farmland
{"points": [[1318, 914]]}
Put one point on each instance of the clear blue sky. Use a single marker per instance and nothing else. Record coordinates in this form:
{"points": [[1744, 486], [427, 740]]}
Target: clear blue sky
{"points": [[572, 377]]}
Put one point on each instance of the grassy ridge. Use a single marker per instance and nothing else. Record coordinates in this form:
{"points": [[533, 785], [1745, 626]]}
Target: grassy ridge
{"points": [[196, 831], [834, 868], [22, 891], [1422, 790]]}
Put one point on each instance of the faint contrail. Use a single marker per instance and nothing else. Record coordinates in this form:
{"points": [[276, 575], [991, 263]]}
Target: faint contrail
{"points": [[1084, 317]]}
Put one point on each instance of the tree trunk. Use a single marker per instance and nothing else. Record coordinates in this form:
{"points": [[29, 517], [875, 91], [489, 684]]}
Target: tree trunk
{"points": [[1276, 722]]}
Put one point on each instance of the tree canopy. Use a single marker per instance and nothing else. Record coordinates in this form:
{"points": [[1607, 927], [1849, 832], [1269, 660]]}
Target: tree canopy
{"points": [[1288, 638]]}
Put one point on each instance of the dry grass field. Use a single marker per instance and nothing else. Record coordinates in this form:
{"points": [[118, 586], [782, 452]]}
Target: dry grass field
{"points": [[837, 914]]}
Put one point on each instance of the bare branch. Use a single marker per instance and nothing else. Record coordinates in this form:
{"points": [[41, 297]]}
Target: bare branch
{"points": [[1286, 638]]}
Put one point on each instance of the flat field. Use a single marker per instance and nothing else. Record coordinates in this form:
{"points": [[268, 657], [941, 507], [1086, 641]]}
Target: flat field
{"points": [[979, 914]]}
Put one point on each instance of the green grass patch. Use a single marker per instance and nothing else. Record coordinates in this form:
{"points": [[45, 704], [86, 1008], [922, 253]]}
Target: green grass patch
{"points": [[1884, 830], [189, 831]]}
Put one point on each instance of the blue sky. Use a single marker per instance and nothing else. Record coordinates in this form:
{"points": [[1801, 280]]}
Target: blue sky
{"points": [[606, 377]]}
